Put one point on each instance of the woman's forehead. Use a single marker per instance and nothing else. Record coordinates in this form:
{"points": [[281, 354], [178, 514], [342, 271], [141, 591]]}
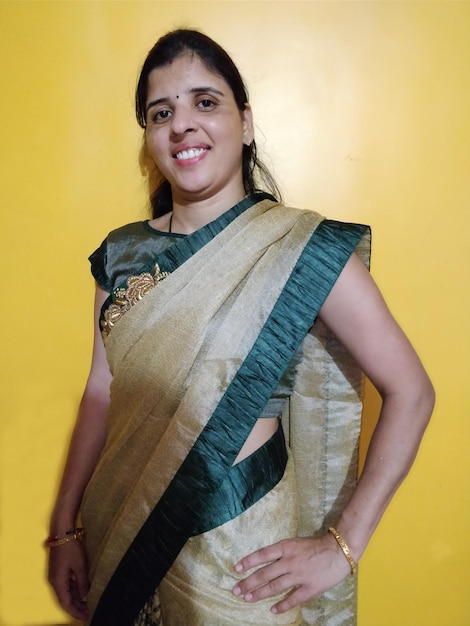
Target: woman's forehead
{"points": [[187, 71]]}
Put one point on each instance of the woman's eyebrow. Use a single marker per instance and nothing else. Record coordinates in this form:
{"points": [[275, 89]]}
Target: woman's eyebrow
{"points": [[155, 102], [193, 90], [206, 90]]}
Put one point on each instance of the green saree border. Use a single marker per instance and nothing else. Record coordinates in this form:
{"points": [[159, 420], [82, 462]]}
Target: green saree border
{"points": [[176, 514], [250, 479]]}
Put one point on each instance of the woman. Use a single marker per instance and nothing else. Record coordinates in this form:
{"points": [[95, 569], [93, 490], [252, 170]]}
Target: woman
{"points": [[185, 485]]}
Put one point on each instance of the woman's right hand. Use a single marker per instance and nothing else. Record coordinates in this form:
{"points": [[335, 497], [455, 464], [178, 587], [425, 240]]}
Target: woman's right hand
{"points": [[68, 575]]}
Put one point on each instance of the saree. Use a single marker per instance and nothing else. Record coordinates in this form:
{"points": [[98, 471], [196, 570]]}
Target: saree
{"points": [[194, 362]]}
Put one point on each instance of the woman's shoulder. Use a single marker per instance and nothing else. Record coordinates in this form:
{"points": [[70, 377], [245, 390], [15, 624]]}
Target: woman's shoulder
{"points": [[312, 215], [133, 229], [125, 251], [305, 214]]}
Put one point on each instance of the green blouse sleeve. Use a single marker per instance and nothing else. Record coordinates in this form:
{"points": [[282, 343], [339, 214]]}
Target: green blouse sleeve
{"points": [[98, 267], [125, 251]]}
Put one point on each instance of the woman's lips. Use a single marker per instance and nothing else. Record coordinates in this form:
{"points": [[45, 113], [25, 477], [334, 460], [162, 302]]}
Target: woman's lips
{"points": [[190, 153]]}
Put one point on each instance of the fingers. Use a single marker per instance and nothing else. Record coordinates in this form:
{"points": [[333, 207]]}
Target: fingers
{"points": [[300, 568], [266, 587], [70, 599], [271, 580], [297, 597], [260, 557], [68, 576], [266, 581], [81, 584], [78, 597]]}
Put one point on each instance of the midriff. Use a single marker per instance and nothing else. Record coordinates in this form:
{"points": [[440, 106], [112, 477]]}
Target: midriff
{"points": [[262, 431]]}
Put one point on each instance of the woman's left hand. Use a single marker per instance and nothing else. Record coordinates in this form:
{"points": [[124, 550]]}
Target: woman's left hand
{"points": [[302, 568]]}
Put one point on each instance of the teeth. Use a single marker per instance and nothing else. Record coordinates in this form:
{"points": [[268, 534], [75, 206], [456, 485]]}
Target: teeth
{"points": [[190, 154]]}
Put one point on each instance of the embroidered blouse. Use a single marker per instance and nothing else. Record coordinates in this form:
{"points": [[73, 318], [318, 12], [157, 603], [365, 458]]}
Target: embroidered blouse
{"points": [[129, 248]]}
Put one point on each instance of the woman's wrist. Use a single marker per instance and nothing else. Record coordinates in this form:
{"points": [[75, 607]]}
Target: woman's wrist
{"points": [[344, 548], [356, 528], [53, 541], [61, 523]]}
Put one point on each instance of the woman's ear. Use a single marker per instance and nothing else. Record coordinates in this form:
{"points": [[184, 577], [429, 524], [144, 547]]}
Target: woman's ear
{"points": [[148, 168], [247, 120]]}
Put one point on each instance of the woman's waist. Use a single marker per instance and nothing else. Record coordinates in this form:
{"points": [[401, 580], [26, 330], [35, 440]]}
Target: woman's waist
{"points": [[263, 430]]}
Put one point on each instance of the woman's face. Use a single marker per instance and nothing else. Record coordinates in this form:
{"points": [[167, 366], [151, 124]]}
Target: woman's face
{"points": [[195, 131]]}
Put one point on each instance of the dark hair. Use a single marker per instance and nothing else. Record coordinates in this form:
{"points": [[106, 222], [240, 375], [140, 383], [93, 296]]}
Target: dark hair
{"points": [[175, 44]]}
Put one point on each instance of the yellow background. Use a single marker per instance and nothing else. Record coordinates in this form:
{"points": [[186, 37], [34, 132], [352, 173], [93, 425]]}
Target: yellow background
{"points": [[364, 111]]}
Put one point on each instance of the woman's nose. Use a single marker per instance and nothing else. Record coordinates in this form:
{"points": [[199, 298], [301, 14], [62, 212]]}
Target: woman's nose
{"points": [[182, 120]]}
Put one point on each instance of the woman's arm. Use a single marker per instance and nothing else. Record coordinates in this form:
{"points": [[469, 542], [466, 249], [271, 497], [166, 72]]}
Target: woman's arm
{"points": [[67, 566], [368, 330], [357, 314]]}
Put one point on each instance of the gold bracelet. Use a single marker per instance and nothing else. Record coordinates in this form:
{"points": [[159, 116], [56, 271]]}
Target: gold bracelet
{"points": [[60, 540], [344, 547]]}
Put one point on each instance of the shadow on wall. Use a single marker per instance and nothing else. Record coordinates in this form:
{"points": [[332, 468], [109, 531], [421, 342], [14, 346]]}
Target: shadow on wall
{"points": [[72, 623], [370, 416]]}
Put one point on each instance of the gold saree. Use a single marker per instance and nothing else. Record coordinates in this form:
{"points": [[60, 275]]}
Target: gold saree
{"points": [[174, 357]]}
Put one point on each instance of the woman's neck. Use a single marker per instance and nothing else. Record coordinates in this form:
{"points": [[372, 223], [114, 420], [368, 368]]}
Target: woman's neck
{"points": [[189, 216]]}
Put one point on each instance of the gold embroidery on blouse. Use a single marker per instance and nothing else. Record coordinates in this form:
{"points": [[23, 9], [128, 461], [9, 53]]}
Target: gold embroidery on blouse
{"points": [[125, 297]]}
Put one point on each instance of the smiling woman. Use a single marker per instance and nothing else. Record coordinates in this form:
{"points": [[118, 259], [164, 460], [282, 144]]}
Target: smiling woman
{"points": [[196, 139], [222, 313], [219, 67]]}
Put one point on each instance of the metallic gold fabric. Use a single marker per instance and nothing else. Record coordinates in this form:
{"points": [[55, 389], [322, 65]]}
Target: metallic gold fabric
{"points": [[204, 319], [322, 424], [198, 588], [158, 409]]}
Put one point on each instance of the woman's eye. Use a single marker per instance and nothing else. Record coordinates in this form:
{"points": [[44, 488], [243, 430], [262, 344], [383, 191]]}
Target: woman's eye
{"points": [[160, 116], [206, 103]]}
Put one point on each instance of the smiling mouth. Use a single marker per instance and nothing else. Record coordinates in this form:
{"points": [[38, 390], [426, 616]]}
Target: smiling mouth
{"points": [[192, 153]]}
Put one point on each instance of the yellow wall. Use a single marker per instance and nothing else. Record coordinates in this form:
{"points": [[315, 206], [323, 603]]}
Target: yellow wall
{"points": [[363, 108]]}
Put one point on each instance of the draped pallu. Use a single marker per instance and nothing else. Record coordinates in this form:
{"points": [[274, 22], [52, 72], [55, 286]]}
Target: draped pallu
{"points": [[194, 363]]}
